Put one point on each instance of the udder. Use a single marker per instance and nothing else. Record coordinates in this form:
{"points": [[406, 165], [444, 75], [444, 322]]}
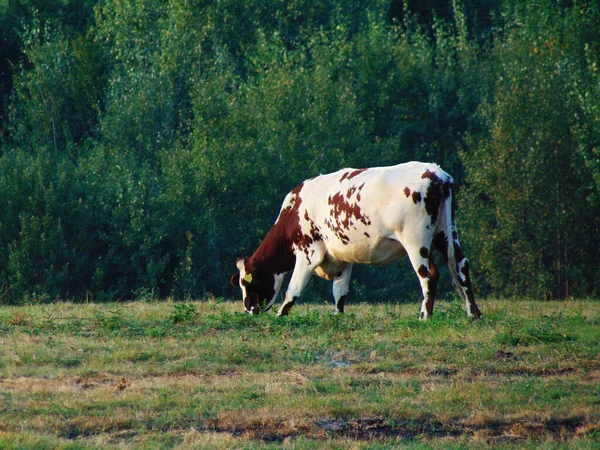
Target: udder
{"points": [[330, 267]]}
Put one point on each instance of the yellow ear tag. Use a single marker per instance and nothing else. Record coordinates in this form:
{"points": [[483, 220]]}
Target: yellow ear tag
{"points": [[248, 278]]}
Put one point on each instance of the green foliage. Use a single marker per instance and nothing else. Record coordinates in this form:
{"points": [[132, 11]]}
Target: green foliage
{"points": [[146, 145], [183, 313], [56, 92], [530, 208]]}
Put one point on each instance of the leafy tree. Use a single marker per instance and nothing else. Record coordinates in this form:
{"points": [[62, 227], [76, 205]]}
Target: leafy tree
{"points": [[56, 93], [530, 223], [146, 145]]}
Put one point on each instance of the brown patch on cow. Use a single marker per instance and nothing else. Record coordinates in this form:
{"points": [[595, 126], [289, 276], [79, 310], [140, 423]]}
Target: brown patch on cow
{"points": [[466, 282], [350, 175], [297, 199], [285, 310], [315, 231], [367, 234], [433, 196], [429, 174], [407, 191], [287, 232], [447, 189], [458, 253], [275, 255], [344, 214], [424, 252], [441, 243], [416, 196], [343, 237], [351, 191], [359, 191], [304, 241], [437, 191], [356, 173], [433, 276], [432, 272], [465, 269], [349, 211]]}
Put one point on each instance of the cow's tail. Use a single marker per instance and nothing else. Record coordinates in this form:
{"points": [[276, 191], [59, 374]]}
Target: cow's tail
{"points": [[446, 239]]}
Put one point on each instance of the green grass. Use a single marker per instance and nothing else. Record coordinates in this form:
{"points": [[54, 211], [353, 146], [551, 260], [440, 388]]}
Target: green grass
{"points": [[204, 375]]}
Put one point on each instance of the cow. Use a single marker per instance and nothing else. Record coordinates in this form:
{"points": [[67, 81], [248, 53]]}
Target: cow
{"points": [[358, 216]]}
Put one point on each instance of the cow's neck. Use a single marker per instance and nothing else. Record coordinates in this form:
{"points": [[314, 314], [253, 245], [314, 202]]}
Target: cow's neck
{"points": [[274, 254]]}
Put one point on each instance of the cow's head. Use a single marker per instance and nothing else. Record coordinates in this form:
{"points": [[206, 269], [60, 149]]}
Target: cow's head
{"points": [[259, 287]]}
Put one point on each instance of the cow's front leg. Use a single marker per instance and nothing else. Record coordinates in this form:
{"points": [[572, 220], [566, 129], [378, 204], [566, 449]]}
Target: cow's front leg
{"points": [[302, 271], [341, 286], [287, 304]]}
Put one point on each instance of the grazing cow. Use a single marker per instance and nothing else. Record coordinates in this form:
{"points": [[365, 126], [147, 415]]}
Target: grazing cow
{"points": [[366, 216]]}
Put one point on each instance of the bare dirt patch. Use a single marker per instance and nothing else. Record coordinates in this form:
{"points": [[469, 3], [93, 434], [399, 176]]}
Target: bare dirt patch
{"points": [[378, 429]]}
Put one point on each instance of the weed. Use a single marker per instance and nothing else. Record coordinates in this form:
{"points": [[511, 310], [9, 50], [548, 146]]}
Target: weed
{"points": [[183, 313], [111, 322]]}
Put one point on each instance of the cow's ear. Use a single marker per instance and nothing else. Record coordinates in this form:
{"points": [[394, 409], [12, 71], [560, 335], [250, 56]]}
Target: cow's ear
{"points": [[235, 280], [241, 263]]}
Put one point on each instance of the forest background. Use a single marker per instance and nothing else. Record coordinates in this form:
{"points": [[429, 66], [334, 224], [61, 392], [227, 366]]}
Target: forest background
{"points": [[146, 144]]}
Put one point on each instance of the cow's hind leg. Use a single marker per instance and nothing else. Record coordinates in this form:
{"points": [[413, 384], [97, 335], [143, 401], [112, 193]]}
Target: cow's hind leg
{"points": [[428, 274], [462, 281], [459, 268], [341, 286]]}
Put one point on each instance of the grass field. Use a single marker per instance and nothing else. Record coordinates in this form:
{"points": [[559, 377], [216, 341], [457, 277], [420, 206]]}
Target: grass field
{"points": [[203, 375]]}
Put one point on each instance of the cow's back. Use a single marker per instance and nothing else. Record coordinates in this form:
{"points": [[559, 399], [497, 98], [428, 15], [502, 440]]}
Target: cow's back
{"points": [[357, 213]]}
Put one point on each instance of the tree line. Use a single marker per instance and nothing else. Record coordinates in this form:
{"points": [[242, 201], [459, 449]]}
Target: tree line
{"points": [[145, 144]]}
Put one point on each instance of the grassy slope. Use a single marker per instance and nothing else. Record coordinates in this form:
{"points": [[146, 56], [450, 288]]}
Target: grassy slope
{"points": [[146, 375]]}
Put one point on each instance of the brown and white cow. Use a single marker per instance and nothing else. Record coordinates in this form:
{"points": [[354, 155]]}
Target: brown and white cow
{"points": [[365, 216]]}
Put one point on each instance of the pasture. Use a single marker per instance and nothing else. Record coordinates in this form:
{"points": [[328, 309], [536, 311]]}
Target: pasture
{"points": [[204, 375]]}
